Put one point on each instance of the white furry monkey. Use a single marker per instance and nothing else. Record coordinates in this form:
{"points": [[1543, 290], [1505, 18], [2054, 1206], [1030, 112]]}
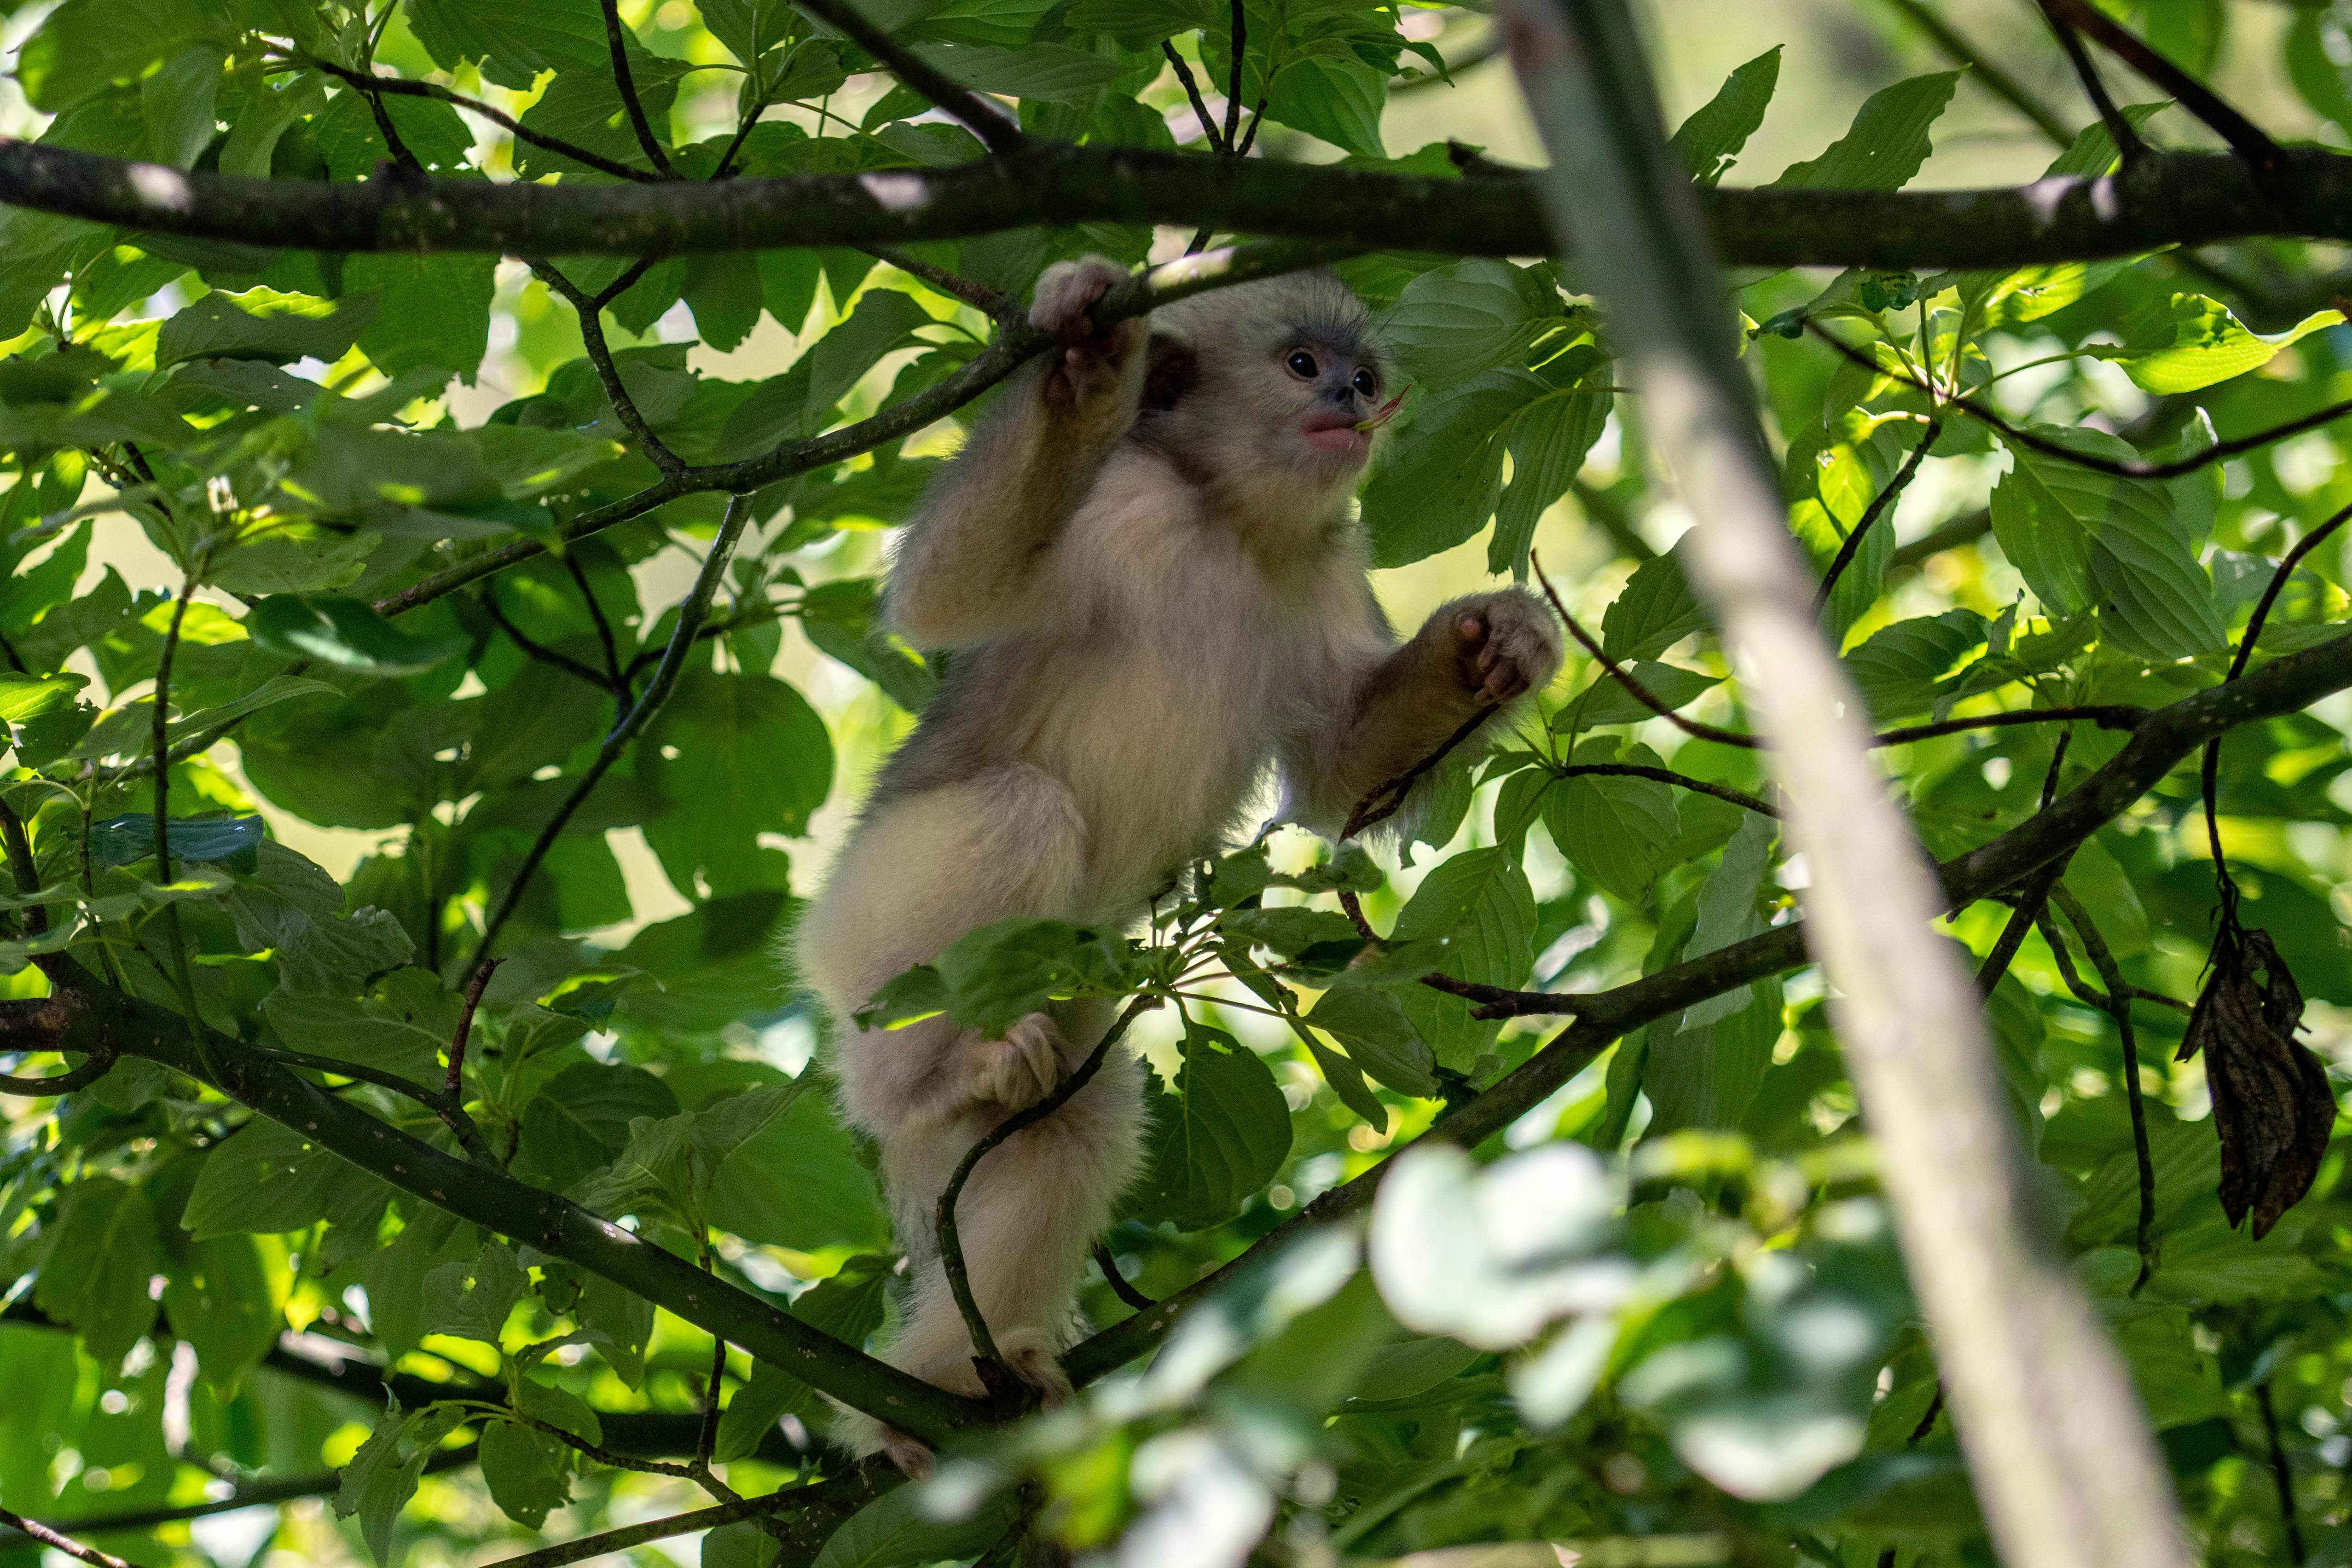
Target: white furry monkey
{"points": [[1146, 562]]}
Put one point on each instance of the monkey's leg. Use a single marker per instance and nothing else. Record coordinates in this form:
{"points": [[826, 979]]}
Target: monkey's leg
{"points": [[1025, 1221]]}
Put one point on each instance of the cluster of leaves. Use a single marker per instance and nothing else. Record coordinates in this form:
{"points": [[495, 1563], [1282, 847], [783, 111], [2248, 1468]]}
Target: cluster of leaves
{"points": [[1676, 1315]]}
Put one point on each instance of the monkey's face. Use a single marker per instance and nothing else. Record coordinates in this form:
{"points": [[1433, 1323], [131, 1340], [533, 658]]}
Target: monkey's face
{"points": [[1335, 386]]}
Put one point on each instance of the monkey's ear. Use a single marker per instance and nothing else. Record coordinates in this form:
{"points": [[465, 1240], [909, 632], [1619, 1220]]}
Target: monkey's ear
{"points": [[1170, 373]]}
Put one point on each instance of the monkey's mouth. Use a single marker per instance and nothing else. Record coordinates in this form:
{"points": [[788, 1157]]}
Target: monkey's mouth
{"points": [[1336, 435]]}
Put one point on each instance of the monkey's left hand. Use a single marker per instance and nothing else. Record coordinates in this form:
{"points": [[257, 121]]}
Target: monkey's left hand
{"points": [[1505, 644], [1090, 368]]}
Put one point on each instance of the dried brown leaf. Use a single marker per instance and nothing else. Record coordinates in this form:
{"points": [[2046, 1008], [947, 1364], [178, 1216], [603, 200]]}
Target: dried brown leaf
{"points": [[2273, 1108]]}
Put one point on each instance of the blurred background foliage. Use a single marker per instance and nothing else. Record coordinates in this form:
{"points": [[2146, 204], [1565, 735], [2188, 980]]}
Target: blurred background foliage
{"points": [[1660, 1314]]}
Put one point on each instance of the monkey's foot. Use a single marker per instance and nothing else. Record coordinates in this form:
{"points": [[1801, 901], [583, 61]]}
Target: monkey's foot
{"points": [[1019, 1069], [1088, 378], [1030, 1355], [914, 1460], [1505, 643]]}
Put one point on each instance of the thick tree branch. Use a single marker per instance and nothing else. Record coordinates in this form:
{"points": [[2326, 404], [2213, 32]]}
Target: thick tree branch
{"points": [[82, 1015], [2166, 199]]}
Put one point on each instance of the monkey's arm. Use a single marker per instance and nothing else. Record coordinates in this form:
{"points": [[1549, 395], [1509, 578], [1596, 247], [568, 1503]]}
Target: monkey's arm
{"points": [[978, 561], [1487, 650]]}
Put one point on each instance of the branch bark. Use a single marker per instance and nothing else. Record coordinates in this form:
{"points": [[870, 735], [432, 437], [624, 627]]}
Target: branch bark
{"points": [[2165, 199], [2061, 1452]]}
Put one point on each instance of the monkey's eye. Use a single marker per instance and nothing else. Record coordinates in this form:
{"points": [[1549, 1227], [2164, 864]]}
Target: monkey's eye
{"points": [[1367, 383], [1302, 363]]}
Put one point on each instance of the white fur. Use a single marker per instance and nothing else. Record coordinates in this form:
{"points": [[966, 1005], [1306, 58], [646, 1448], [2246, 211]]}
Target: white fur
{"points": [[1147, 612]]}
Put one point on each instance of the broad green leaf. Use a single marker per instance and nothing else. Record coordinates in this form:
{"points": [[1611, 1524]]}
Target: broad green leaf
{"points": [[1614, 831], [1055, 73], [1218, 1138], [896, 1531], [430, 309], [580, 1119], [222, 1301], [743, 1544], [1329, 93], [620, 1323], [344, 632], [176, 100], [515, 41], [97, 1256], [2092, 150], [231, 841], [998, 973], [292, 905], [262, 324], [1140, 23], [1437, 481], [1708, 142], [2197, 343], [1548, 441], [85, 43], [748, 27], [404, 1028], [1904, 668], [1480, 902], [735, 756], [1884, 145], [30, 697], [528, 1472], [472, 1299], [1380, 1039], [849, 1307], [1606, 701], [278, 564], [1453, 322], [383, 1476], [266, 1179], [1655, 610]]}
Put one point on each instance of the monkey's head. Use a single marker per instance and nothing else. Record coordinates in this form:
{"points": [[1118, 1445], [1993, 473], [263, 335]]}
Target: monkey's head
{"points": [[1267, 379]]}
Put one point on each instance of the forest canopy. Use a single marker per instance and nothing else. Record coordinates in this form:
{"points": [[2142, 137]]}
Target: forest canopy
{"points": [[448, 454]]}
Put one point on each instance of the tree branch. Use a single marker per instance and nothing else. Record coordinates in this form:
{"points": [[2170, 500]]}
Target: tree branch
{"points": [[400, 87], [540, 651], [690, 614], [1994, 79], [57, 1542], [590, 313], [2129, 143], [2116, 1004], [81, 1016], [617, 37], [982, 119], [2166, 199], [1193, 92], [2247, 139], [1879, 503]]}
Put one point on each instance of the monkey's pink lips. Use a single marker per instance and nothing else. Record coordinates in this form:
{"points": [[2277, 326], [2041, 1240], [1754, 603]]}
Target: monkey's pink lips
{"points": [[1336, 434]]}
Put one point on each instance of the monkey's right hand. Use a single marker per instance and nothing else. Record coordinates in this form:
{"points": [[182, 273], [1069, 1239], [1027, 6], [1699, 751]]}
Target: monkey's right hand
{"points": [[1019, 1069], [1088, 376]]}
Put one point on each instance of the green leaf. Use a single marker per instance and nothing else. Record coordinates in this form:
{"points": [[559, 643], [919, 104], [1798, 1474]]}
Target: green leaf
{"points": [[1548, 441], [514, 41], [620, 1323], [748, 27], [278, 564], [798, 1183], [1655, 610], [528, 1472], [29, 696], [895, 1530], [849, 1307], [345, 632], [735, 756], [222, 1303], [97, 1256], [176, 100], [1455, 322], [85, 43], [1614, 831], [1606, 701], [1884, 145], [472, 1299], [1000, 972], [402, 1029], [1380, 1039], [231, 841], [1904, 668], [383, 1476], [1140, 23], [291, 904], [580, 1119], [2197, 342], [1329, 93], [1480, 902], [1055, 73], [262, 324], [742, 1544], [1218, 1138], [430, 309], [266, 1179], [1437, 481], [1709, 139], [2092, 150]]}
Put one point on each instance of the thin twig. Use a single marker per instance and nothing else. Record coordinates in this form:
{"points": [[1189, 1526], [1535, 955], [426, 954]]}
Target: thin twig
{"points": [[624, 283], [2210, 766], [401, 155], [950, 1242], [982, 119], [22, 869], [2021, 919], [403, 88], [1878, 505], [1738, 797], [1983, 71], [1239, 37], [175, 940], [706, 1436], [690, 612], [2246, 139], [541, 650], [454, 1082], [617, 37], [629, 1536], [1192, 91], [2171, 469], [2282, 1475], [65, 1544], [592, 337], [1383, 800], [1624, 678], [2128, 138], [2116, 1004], [1108, 1264], [619, 677], [994, 303]]}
